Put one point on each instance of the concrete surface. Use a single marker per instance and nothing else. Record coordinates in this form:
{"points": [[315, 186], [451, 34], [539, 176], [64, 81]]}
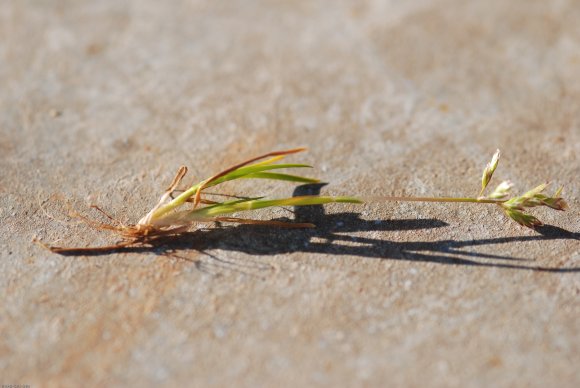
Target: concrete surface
{"points": [[101, 101]]}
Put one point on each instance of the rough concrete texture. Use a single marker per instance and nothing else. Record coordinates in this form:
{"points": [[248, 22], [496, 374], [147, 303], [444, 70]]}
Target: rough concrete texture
{"points": [[101, 101]]}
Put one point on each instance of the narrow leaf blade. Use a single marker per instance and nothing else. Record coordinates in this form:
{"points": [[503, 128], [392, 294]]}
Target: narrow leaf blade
{"points": [[247, 205], [280, 177]]}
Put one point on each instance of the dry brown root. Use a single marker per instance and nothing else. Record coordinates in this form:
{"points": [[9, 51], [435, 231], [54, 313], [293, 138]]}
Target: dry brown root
{"points": [[143, 236]]}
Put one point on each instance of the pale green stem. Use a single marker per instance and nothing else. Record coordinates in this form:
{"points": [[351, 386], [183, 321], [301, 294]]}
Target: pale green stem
{"points": [[433, 199], [181, 199], [176, 202]]}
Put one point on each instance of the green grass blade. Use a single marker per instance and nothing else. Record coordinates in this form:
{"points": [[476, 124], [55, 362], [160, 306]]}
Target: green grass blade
{"points": [[280, 177], [269, 161], [236, 174], [209, 212], [243, 171], [231, 203], [264, 203]]}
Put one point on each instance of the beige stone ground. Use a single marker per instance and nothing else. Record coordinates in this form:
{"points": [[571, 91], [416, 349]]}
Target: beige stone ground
{"points": [[101, 101]]}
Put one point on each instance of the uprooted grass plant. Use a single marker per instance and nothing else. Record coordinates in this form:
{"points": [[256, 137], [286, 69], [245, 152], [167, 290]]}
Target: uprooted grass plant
{"points": [[175, 215]]}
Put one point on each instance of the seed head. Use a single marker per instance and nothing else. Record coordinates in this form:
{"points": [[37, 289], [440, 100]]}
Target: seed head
{"points": [[555, 201], [489, 170], [535, 198], [522, 218], [501, 191], [515, 207]]}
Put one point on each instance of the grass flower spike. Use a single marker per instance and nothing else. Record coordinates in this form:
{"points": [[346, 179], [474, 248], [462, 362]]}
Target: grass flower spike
{"points": [[515, 207], [488, 171], [501, 191]]}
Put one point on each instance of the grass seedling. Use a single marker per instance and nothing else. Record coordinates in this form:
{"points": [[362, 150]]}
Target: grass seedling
{"points": [[172, 216]]}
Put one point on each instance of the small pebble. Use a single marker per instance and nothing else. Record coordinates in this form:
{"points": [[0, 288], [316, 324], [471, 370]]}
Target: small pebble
{"points": [[55, 113]]}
